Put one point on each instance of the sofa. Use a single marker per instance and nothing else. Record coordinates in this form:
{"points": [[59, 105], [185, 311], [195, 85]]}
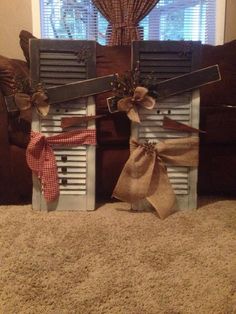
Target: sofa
{"points": [[217, 172], [16, 182], [217, 166]]}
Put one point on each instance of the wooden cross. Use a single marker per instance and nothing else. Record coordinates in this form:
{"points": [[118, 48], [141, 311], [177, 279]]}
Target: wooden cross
{"points": [[175, 67], [163, 89]]}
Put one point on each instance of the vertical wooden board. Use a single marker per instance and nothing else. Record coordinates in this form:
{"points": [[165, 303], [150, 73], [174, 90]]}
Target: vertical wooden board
{"points": [[164, 60], [55, 63]]}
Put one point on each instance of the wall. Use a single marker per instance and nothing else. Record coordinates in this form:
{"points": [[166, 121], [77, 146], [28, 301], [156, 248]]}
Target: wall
{"points": [[230, 25], [16, 15]]}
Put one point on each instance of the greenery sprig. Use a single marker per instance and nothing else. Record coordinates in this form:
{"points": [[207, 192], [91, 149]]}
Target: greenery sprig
{"points": [[125, 84]]}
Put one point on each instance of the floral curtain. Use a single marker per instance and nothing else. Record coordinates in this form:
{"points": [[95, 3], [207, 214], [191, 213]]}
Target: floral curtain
{"points": [[124, 16]]}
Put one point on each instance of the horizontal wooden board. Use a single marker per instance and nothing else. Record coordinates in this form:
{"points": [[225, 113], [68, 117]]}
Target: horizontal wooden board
{"points": [[81, 89], [187, 82]]}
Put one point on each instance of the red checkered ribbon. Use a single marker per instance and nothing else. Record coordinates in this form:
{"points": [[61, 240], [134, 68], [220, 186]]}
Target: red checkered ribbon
{"points": [[41, 160]]}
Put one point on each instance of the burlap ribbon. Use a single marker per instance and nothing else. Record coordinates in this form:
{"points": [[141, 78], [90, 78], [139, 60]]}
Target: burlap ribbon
{"points": [[39, 99], [131, 104], [41, 160], [144, 175]]}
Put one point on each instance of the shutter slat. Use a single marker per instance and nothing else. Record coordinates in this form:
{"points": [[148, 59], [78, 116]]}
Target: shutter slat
{"points": [[172, 111], [61, 81], [159, 117], [163, 56], [50, 63], [65, 68], [72, 192], [58, 55], [62, 75], [71, 175], [73, 163], [165, 63], [72, 158], [171, 68], [72, 170], [71, 152], [180, 169]]}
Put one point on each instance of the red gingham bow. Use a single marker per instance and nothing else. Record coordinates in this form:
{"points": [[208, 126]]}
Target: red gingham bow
{"points": [[41, 160]]}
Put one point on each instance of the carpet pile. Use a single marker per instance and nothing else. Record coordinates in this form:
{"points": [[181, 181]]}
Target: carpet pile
{"points": [[113, 260]]}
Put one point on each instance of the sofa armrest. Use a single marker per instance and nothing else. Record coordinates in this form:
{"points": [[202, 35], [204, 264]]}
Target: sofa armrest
{"points": [[5, 158]]}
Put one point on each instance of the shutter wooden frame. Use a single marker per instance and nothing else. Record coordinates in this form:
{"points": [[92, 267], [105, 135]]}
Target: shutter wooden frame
{"points": [[76, 165], [187, 54]]}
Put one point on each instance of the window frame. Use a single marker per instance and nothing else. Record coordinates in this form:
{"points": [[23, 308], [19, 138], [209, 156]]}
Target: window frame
{"points": [[220, 20]]}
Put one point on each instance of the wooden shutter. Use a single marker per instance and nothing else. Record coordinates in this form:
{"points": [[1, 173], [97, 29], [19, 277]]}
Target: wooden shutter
{"points": [[163, 60], [54, 63]]}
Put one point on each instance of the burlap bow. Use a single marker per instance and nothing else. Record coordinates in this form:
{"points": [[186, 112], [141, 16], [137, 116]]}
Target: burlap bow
{"points": [[39, 99], [41, 160], [139, 99], [144, 175]]}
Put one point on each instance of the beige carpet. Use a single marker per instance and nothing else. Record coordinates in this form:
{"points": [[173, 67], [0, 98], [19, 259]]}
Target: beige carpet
{"points": [[116, 261]]}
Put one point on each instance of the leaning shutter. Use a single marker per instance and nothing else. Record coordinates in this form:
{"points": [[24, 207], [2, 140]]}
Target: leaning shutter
{"points": [[54, 63], [161, 61]]}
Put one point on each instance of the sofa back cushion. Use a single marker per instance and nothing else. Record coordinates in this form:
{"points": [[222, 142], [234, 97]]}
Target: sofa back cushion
{"points": [[222, 92], [12, 72], [115, 128], [111, 60]]}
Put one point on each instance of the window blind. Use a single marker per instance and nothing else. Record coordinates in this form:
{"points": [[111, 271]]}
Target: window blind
{"points": [[169, 20], [181, 20], [72, 19]]}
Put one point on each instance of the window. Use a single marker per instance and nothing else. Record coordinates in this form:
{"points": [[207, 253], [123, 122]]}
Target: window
{"points": [[72, 19], [169, 20], [185, 20]]}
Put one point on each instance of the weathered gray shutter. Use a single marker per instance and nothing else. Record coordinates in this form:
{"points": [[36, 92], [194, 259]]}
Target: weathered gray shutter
{"points": [[55, 63], [163, 60]]}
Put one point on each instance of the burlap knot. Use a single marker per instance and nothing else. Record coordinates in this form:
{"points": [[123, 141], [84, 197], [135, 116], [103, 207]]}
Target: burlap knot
{"points": [[38, 99], [41, 160], [144, 175], [139, 99]]}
